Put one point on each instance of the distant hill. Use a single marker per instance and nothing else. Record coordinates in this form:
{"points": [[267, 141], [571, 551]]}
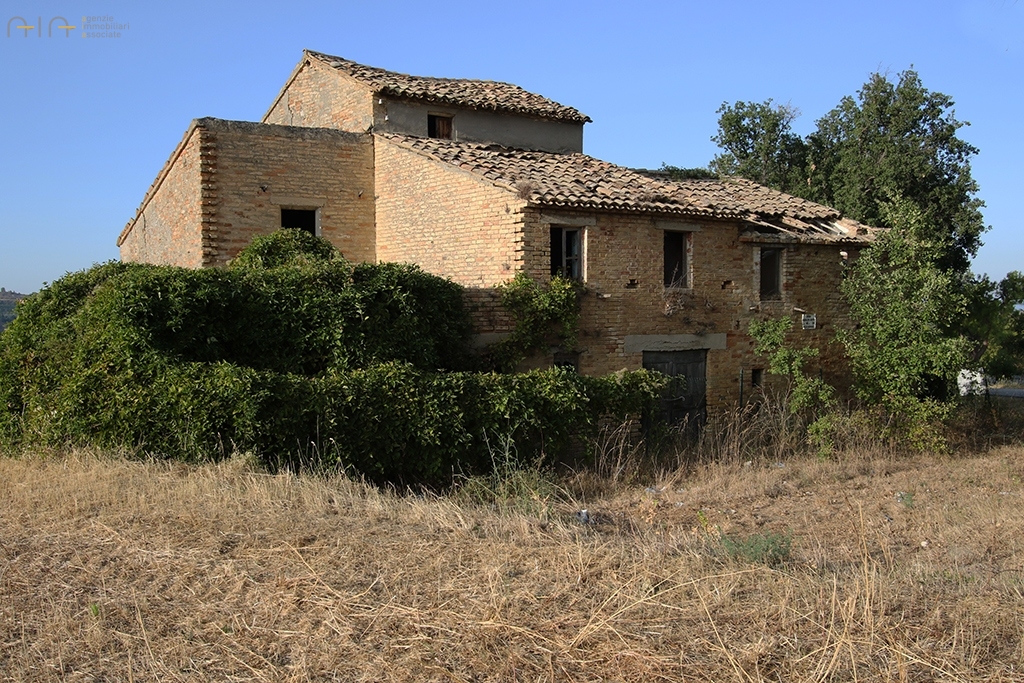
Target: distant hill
{"points": [[7, 301]]}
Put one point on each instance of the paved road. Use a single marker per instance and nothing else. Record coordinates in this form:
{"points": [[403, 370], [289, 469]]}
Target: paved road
{"points": [[1014, 393]]}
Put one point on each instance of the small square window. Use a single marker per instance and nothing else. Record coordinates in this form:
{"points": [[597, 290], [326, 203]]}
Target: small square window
{"points": [[570, 360], [771, 273], [439, 126], [756, 377], [567, 253], [299, 219], [676, 244]]}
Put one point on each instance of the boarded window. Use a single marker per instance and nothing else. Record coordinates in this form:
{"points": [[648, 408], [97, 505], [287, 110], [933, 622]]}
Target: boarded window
{"points": [[301, 219], [675, 259], [439, 126], [771, 273], [567, 253]]}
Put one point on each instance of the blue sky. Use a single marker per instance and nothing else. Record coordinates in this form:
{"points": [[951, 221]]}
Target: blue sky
{"points": [[88, 122]]}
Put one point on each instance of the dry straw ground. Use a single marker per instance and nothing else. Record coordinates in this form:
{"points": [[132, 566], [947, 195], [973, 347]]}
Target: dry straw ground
{"points": [[904, 569]]}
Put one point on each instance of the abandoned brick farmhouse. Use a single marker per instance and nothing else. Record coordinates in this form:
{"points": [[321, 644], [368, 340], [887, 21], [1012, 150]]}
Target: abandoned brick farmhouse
{"points": [[478, 180]]}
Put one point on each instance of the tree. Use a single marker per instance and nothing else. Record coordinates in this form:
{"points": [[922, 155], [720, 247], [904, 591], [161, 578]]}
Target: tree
{"points": [[892, 139], [759, 145], [679, 173], [996, 324], [903, 347], [900, 139]]}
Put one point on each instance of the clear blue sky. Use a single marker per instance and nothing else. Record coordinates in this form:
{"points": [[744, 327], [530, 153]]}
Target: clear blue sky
{"points": [[88, 122]]}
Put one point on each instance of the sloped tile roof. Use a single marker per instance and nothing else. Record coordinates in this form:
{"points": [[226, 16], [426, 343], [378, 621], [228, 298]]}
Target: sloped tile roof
{"points": [[462, 92], [578, 181]]}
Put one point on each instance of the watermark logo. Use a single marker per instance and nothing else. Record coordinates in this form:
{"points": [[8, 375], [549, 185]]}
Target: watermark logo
{"points": [[97, 26], [20, 24]]}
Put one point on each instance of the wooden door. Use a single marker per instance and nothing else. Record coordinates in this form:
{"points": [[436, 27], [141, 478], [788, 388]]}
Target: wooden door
{"points": [[684, 402]]}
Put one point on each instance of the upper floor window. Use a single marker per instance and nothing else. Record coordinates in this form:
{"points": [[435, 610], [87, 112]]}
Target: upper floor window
{"points": [[301, 219], [439, 126], [567, 253], [676, 264], [771, 273]]}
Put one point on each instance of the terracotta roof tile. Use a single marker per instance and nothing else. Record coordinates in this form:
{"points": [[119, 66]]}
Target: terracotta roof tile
{"points": [[578, 181], [463, 92]]}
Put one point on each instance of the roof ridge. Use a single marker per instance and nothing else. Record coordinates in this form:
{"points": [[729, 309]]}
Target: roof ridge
{"points": [[471, 93], [323, 56]]}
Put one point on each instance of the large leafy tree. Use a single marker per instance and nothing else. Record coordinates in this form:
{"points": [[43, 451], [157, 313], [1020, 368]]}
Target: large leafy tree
{"points": [[758, 143], [899, 139], [904, 349], [891, 139], [906, 309]]}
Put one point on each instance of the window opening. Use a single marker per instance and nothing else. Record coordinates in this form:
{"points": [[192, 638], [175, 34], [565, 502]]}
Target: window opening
{"points": [[675, 259], [439, 126], [771, 273], [567, 359], [301, 219], [567, 253], [756, 377]]}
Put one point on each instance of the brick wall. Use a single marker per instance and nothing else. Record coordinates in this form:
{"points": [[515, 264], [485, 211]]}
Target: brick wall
{"points": [[450, 222], [626, 298], [167, 227], [229, 180], [322, 97], [262, 168]]}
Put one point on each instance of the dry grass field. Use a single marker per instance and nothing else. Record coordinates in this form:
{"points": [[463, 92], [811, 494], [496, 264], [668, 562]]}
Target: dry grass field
{"points": [[869, 568]]}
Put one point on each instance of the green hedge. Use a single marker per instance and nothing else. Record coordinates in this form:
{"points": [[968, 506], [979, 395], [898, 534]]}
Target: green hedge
{"points": [[290, 354]]}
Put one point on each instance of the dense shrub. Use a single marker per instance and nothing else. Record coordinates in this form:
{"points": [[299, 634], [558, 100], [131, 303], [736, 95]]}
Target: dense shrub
{"points": [[290, 354]]}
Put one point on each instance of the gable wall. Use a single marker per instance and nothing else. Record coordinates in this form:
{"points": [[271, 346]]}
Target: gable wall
{"points": [[261, 168], [321, 97], [168, 230]]}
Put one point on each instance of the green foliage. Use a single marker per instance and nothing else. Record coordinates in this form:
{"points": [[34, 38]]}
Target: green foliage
{"points": [[759, 145], [900, 139], [677, 173], [996, 324], [543, 314], [8, 301], [904, 306], [893, 138], [806, 391], [289, 247], [308, 363], [767, 548]]}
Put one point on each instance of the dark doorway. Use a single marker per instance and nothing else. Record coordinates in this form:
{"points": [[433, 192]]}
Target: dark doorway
{"points": [[684, 402]]}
